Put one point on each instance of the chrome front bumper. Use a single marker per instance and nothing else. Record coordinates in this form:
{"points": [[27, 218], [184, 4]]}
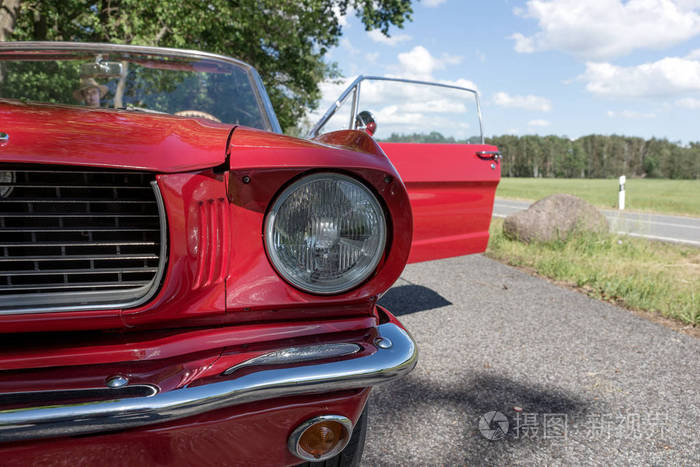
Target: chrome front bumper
{"points": [[395, 355]]}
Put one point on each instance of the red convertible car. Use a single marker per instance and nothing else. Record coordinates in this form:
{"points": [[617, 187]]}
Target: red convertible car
{"points": [[182, 284]]}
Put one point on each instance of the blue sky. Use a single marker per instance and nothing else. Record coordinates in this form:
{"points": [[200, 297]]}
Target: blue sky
{"points": [[564, 67]]}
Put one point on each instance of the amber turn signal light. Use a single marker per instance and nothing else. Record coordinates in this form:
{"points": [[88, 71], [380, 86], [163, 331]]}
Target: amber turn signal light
{"points": [[320, 438]]}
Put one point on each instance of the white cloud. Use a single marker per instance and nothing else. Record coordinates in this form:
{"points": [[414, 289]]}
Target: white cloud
{"points": [[463, 83], [377, 36], [528, 102], [688, 4], [419, 63], [694, 55], [689, 103], [408, 108], [523, 45], [435, 106], [342, 19], [539, 122], [372, 56], [433, 3], [347, 45], [631, 114], [666, 77], [603, 29], [449, 59], [397, 119]]}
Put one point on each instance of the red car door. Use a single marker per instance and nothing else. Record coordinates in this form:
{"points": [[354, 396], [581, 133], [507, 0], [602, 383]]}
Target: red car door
{"points": [[451, 185], [451, 188]]}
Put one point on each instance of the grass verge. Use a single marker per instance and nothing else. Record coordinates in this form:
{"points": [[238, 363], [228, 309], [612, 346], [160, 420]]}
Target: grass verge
{"points": [[636, 273], [654, 195]]}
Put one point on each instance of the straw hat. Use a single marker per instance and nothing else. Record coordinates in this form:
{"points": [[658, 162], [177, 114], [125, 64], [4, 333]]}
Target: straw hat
{"points": [[87, 83]]}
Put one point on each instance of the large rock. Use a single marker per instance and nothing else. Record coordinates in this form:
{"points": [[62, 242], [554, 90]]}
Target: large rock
{"points": [[554, 218]]}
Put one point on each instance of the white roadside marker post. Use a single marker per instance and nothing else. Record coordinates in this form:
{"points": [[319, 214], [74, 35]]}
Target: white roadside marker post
{"points": [[621, 197]]}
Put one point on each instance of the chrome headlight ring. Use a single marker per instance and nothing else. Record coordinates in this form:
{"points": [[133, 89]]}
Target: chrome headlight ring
{"points": [[325, 233]]}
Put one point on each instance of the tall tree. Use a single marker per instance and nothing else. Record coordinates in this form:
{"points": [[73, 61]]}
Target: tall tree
{"points": [[286, 40], [8, 15]]}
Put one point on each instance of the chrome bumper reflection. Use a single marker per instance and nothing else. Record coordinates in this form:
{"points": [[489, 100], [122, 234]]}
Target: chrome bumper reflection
{"points": [[385, 364]]}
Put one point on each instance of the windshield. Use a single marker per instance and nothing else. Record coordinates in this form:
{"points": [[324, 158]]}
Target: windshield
{"points": [[189, 86]]}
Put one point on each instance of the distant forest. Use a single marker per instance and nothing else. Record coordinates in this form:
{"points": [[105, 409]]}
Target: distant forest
{"points": [[591, 156]]}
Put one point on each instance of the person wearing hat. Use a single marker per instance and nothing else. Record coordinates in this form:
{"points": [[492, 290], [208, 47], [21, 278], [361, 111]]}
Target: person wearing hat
{"points": [[90, 92]]}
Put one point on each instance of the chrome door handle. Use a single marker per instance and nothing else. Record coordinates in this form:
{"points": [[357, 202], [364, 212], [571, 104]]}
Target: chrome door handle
{"points": [[489, 155], [4, 136]]}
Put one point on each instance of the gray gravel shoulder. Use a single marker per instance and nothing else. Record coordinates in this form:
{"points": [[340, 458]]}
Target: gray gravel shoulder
{"points": [[579, 381]]}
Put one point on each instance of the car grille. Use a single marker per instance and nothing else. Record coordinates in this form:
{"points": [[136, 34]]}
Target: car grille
{"points": [[75, 239]]}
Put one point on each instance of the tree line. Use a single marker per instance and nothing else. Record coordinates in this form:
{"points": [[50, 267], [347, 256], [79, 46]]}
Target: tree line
{"points": [[591, 156]]}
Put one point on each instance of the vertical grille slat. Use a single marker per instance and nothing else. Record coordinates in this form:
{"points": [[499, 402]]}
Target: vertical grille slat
{"points": [[75, 239], [213, 243]]}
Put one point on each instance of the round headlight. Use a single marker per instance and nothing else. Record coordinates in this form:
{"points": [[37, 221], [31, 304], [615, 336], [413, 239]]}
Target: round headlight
{"points": [[325, 233]]}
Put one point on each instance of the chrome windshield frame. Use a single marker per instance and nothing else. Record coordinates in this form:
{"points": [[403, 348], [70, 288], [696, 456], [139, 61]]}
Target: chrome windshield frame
{"points": [[48, 46], [354, 88]]}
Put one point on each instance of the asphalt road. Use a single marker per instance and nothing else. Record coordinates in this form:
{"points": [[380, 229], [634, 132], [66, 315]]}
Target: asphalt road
{"points": [[594, 383], [655, 226]]}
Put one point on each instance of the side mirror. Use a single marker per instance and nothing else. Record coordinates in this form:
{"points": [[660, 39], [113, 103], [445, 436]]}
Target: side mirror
{"points": [[365, 121]]}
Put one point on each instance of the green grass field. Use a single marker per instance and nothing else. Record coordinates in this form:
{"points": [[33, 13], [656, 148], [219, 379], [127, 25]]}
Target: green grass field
{"points": [[638, 273], [652, 195]]}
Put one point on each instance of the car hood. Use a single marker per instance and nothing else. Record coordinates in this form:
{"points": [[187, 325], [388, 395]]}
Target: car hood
{"points": [[79, 136]]}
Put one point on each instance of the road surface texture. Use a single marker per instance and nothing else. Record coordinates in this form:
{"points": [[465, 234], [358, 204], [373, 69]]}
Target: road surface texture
{"points": [[654, 226], [594, 383]]}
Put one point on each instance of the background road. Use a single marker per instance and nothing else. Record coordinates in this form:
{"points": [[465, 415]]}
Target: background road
{"points": [[492, 338], [655, 226]]}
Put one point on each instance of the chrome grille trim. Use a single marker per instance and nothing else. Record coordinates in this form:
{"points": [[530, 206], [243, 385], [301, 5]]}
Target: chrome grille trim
{"points": [[54, 396], [97, 294], [76, 257]]}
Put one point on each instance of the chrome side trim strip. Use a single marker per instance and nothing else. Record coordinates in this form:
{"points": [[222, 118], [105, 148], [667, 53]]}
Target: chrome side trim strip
{"points": [[299, 354], [77, 419]]}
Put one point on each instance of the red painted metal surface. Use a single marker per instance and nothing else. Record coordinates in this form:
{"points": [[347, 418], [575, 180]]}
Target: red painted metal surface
{"points": [[218, 272], [220, 302], [81, 136], [182, 300], [253, 434], [172, 361], [191, 292], [451, 192], [88, 348], [271, 162], [191, 359]]}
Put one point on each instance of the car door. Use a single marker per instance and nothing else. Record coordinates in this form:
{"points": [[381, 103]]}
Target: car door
{"points": [[436, 143]]}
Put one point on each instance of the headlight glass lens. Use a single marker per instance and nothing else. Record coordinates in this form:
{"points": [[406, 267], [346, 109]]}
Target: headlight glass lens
{"points": [[326, 233]]}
